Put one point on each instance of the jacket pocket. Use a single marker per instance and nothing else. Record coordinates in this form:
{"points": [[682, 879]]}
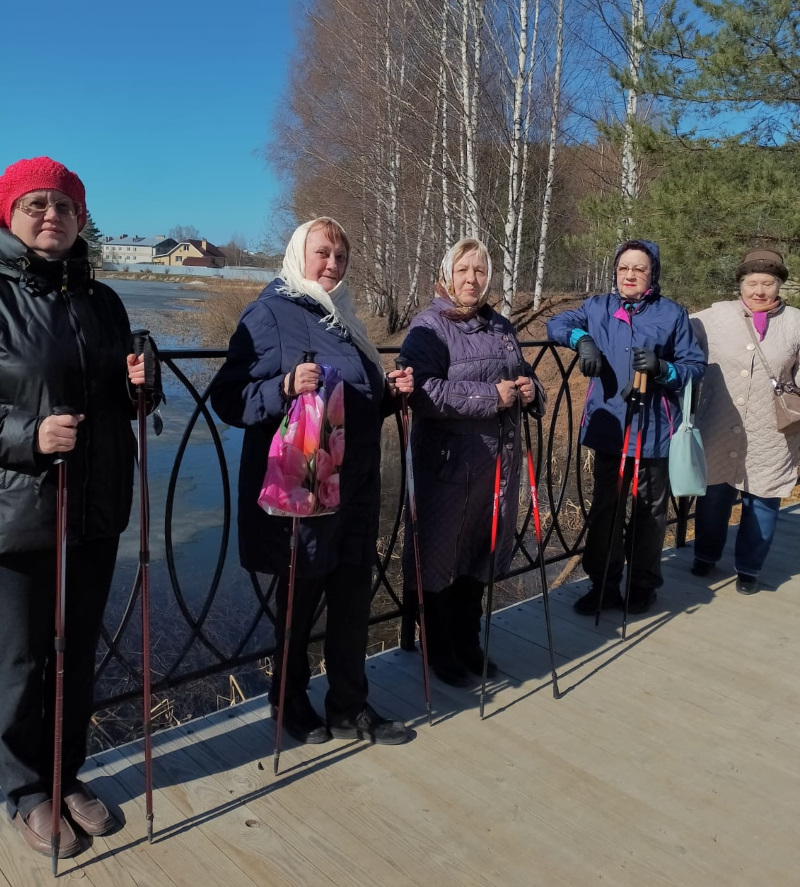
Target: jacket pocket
{"points": [[452, 464]]}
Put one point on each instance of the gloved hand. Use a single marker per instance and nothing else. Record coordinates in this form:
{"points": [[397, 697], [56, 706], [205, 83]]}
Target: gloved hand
{"points": [[590, 357], [647, 361]]}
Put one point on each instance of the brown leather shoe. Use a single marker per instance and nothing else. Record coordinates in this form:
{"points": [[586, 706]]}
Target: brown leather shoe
{"points": [[37, 827], [87, 811]]}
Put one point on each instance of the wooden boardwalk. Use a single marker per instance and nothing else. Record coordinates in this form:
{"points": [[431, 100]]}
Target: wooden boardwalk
{"points": [[673, 758]]}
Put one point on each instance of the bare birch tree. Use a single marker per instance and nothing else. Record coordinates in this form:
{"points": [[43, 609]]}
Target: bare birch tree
{"points": [[521, 79], [551, 160]]}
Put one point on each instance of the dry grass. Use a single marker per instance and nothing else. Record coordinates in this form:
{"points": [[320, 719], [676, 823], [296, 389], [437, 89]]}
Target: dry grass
{"points": [[222, 308]]}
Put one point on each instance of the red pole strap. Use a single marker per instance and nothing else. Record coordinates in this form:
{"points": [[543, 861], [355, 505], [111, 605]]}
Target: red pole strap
{"points": [[642, 388], [496, 500]]}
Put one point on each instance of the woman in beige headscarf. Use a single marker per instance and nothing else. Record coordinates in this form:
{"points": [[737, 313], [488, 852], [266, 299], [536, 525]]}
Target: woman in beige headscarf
{"points": [[745, 451], [471, 379], [308, 311]]}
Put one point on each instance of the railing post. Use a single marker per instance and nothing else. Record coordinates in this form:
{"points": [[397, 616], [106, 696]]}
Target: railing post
{"points": [[681, 526]]}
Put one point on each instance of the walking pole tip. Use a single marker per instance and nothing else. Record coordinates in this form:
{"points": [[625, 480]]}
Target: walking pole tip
{"points": [[275, 762]]}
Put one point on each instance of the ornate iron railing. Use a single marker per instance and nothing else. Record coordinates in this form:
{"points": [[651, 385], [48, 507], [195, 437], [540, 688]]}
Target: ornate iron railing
{"points": [[212, 618]]}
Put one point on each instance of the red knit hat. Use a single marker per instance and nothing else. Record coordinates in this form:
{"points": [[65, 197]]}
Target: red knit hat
{"points": [[39, 174]]}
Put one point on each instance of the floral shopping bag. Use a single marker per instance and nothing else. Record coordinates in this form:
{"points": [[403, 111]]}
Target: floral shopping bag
{"points": [[306, 453]]}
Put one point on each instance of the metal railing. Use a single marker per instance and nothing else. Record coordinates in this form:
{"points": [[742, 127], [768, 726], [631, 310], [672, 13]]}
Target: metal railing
{"points": [[190, 641]]}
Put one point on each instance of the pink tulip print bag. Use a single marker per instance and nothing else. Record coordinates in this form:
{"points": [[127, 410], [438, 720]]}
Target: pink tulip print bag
{"points": [[306, 453]]}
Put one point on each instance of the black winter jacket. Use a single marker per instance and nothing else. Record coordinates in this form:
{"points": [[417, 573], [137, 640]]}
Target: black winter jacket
{"points": [[63, 342]]}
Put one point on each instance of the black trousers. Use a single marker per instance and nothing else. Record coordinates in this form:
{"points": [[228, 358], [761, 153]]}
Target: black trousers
{"points": [[348, 594], [27, 665], [651, 523]]}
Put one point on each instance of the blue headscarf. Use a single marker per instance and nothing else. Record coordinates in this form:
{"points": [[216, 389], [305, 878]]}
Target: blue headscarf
{"points": [[646, 246]]}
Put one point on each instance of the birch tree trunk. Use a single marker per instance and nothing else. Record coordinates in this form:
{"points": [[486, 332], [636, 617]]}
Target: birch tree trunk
{"points": [[551, 161], [520, 115], [471, 25], [630, 167]]}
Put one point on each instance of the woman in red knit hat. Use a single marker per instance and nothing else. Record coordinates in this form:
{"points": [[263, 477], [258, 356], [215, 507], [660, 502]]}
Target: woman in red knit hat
{"points": [[64, 340]]}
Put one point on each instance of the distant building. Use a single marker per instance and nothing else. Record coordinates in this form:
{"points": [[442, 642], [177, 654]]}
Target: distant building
{"points": [[199, 253], [134, 250]]}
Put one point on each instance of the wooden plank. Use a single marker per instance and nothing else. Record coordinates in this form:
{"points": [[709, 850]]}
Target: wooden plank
{"points": [[672, 759]]}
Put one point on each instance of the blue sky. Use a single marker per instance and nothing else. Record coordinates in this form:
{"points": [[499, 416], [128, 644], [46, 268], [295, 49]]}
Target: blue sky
{"points": [[162, 109]]}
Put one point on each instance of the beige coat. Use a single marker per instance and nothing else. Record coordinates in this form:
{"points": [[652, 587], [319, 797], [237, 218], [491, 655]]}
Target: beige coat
{"points": [[735, 413]]}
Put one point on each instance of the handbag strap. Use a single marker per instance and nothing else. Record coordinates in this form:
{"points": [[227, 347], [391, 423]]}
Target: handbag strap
{"points": [[687, 402], [775, 383]]}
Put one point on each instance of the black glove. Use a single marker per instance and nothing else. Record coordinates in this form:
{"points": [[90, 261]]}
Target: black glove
{"points": [[590, 357], [647, 361]]}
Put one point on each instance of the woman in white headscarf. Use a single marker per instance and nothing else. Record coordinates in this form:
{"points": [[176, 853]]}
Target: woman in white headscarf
{"points": [[309, 310], [471, 379]]}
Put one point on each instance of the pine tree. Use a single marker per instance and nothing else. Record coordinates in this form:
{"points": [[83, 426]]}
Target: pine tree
{"points": [[737, 66], [91, 234]]}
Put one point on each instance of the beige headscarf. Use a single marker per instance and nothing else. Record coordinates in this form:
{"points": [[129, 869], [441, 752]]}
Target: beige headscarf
{"points": [[444, 286], [338, 303]]}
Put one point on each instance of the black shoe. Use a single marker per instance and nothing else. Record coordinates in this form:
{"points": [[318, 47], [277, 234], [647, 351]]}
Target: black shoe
{"points": [[701, 568], [641, 600], [746, 584], [438, 630], [301, 722], [371, 726], [449, 670], [587, 605], [472, 660]]}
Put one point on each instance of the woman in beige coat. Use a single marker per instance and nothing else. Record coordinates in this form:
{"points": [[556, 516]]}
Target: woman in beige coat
{"points": [[745, 451]]}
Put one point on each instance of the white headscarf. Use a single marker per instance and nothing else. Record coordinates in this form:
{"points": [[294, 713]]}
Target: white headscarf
{"points": [[445, 284], [338, 303]]}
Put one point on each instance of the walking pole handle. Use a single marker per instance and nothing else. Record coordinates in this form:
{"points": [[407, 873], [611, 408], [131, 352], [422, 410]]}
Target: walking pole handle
{"points": [[401, 363], [141, 340], [140, 337], [62, 411]]}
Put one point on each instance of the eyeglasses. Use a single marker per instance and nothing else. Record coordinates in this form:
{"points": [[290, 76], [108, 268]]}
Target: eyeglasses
{"points": [[38, 206]]}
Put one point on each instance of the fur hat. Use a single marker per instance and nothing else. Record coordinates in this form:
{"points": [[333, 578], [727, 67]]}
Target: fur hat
{"points": [[39, 174], [763, 261]]}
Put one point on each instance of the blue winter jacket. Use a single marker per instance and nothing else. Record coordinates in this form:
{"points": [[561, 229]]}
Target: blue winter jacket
{"points": [[658, 324], [272, 335]]}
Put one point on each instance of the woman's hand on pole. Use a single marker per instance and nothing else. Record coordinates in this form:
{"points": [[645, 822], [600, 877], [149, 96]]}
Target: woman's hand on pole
{"points": [[401, 381], [57, 434], [526, 389], [506, 394], [136, 373], [306, 379]]}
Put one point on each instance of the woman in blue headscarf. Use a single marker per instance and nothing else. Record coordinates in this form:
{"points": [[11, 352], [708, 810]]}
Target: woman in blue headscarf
{"points": [[631, 329]]}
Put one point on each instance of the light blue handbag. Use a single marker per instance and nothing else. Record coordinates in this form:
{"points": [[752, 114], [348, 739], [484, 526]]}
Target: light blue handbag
{"points": [[687, 458]]}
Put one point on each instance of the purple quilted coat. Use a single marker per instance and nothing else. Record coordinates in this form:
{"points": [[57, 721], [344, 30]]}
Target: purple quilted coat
{"points": [[455, 433]]}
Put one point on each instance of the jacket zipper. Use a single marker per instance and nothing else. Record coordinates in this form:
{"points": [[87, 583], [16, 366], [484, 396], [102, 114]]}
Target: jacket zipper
{"points": [[74, 323]]}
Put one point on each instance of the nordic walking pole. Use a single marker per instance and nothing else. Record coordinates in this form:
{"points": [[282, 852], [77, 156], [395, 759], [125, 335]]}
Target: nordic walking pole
{"points": [[411, 504], [287, 638], [492, 559], [308, 357], [619, 509], [642, 388], [60, 620], [140, 338], [537, 524]]}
